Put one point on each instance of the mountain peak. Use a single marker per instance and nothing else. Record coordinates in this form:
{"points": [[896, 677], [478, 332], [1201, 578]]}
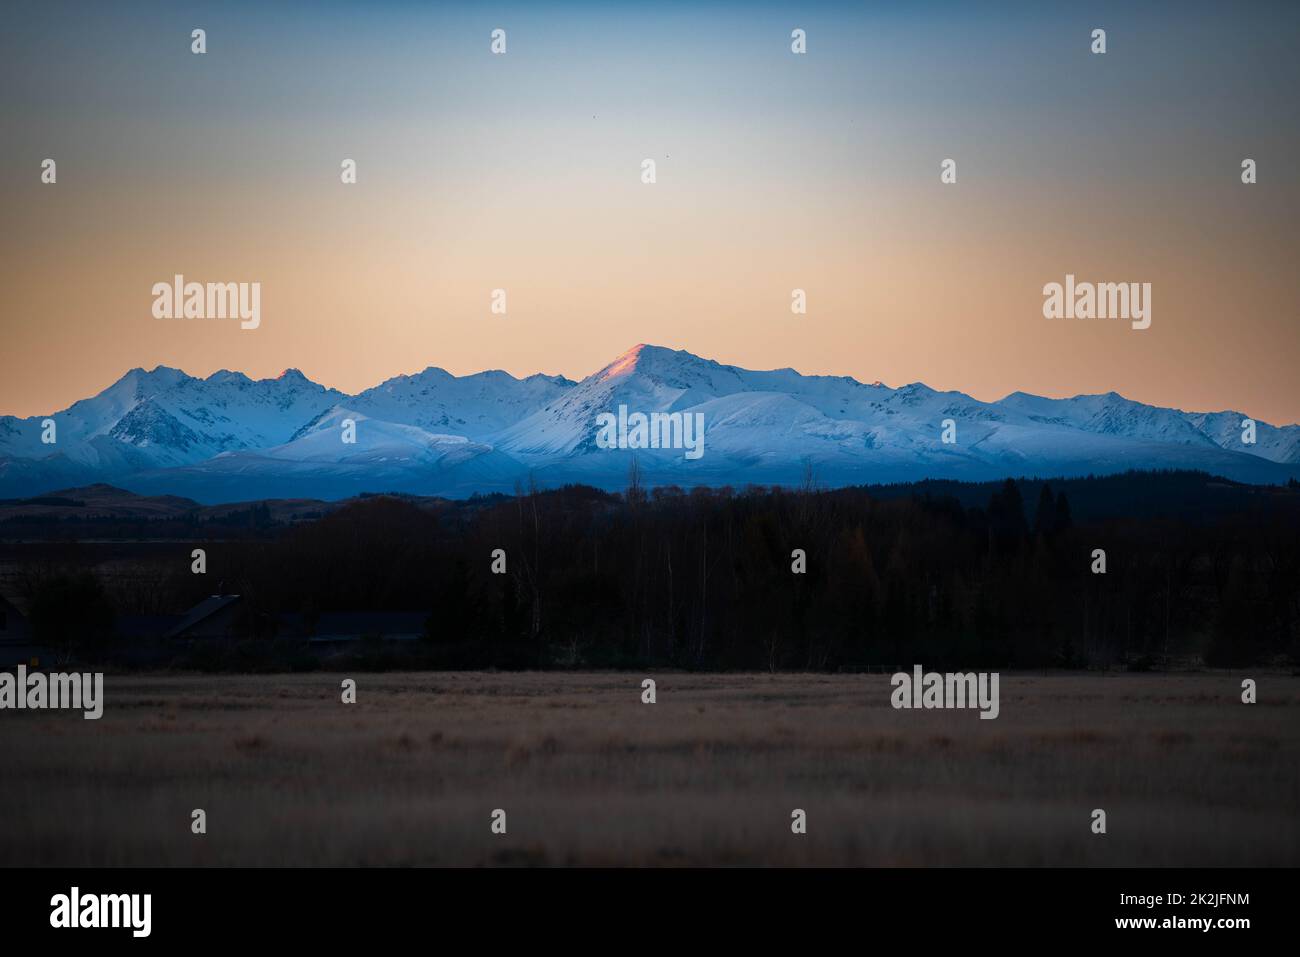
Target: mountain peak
{"points": [[627, 362], [158, 372], [647, 358], [138, 383]]}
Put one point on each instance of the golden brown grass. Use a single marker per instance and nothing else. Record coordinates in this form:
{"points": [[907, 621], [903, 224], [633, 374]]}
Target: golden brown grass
{"points": [[587, 774]]}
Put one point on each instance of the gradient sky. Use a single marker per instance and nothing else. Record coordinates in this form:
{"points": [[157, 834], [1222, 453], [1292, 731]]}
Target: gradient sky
{"points": [[775, 171]]}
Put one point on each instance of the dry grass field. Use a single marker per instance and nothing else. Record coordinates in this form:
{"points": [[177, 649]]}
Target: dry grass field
{"points": [[588, 775]]}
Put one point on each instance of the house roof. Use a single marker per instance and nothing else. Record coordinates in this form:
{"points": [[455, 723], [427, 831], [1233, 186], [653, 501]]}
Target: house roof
{"points": [[146, 626], [203, 610], [339, 625]]}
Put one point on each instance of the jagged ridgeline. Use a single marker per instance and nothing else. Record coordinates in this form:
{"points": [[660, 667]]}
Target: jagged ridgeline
{"points": [[230, 438]]}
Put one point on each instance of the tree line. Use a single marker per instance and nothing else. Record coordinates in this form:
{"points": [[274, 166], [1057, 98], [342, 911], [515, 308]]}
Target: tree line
{"points": [[776, 579]]}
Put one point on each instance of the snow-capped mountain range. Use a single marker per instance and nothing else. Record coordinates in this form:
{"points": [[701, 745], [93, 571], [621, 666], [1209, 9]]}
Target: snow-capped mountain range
{"points": [[232, 438]]}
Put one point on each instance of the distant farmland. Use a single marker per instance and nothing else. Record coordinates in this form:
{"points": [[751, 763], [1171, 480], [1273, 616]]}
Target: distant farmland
{"points": [[708, 775]]}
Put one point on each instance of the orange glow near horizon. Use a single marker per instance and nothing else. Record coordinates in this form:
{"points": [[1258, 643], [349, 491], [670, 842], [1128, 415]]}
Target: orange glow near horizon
{"points": [[774, 173]]}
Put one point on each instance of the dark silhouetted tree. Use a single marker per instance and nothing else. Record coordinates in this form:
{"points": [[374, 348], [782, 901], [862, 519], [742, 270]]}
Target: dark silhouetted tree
{"points": [[1063, 520], [1045, 516]]}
